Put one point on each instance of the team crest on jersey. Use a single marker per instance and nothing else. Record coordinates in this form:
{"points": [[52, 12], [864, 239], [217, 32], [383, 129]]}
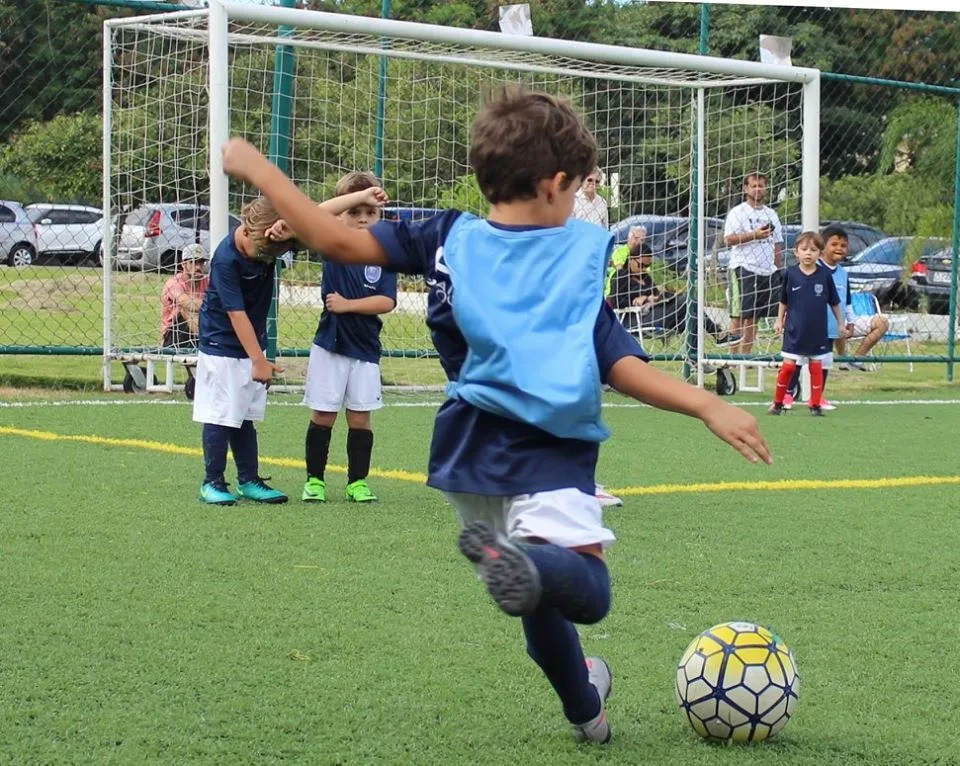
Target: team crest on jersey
{"points": [[372, 274], [818, 289]]}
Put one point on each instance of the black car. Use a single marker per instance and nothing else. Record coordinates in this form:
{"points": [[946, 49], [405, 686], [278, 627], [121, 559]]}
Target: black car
{"points": [[931, 276], [859, 237], [669, 236]]}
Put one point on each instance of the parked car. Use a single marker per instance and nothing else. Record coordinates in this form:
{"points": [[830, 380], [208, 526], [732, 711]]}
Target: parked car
{"points": [[669, 237], [18, 241], [859, 236], [70, 233], [931, 276], [879, 269], [152, 235]]}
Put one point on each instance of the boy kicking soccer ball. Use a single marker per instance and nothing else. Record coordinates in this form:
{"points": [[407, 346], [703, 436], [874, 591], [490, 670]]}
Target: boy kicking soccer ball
{"points": [[344, 367], [806, 293], [517, 315]]}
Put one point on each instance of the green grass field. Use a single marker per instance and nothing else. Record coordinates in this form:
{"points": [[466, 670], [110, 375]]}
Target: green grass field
{"points": [[141, 627]]}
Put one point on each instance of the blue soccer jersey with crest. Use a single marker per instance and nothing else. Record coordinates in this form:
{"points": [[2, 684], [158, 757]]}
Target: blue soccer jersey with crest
{"points": [[237, 283], [808, 298], [474, 450], [354, 335]]}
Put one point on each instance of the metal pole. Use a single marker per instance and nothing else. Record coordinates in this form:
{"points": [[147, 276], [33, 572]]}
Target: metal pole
{"points": [[810, 162], [106, 240], [279, 149], [704, 28], [385, 12], [219, 109], [954, 259]]}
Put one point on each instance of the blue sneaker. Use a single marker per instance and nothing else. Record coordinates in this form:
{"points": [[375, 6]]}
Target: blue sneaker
{"points": [[216, 493], [260, 492]]}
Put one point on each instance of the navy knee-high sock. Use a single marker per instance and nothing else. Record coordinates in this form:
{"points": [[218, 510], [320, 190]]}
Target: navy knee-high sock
{"points": [[553, 643], [577, 584], [215, 441], [243, 444]]}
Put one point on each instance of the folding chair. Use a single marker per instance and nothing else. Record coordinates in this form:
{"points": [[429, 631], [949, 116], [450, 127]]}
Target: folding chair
{"points": [[637, 322], [865, 304]]}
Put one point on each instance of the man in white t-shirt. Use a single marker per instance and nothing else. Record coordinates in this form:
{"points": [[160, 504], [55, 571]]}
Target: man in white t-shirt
{"points": [[590, 206], [754, 233]]}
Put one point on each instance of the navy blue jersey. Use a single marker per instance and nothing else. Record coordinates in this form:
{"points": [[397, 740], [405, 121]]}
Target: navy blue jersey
{"points": [[808, 298], [474, 450], [354, 335], [237, 283]]}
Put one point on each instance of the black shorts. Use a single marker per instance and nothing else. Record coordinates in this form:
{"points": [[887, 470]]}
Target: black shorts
{"points": [[179, 337], [752, 295]]}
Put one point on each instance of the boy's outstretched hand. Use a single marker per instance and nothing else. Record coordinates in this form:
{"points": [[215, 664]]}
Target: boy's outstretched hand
{"points": [[738, 429], [241, 158]]}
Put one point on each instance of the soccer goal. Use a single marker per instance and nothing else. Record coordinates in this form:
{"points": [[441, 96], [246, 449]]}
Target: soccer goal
{"points": [[325, 94]]}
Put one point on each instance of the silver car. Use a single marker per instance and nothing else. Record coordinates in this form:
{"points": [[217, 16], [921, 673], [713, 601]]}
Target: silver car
{"points": [[18, 240], [151, 236], [70, 233]]}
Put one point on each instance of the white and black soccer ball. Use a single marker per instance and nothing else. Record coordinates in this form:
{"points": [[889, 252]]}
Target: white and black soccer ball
{"points": [[737, 682]]}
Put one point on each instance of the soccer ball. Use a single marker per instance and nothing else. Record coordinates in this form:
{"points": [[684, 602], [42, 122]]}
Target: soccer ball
{"points": [[737, 682]]}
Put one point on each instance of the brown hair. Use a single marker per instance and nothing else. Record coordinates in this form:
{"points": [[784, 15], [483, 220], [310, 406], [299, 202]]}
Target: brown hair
{"points": [[809, 236], [259, 215], [521, 137], [354, 182], [756, 175]]}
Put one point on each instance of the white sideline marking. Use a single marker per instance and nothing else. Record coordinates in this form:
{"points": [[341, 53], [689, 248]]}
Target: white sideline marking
{"points": [[150, 402]]}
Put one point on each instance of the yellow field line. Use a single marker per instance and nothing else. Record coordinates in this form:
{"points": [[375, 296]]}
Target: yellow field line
{"points": [[415, 476], [177, 449]]}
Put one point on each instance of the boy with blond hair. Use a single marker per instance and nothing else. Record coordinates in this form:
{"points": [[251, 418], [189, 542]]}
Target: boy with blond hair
{"points": [[518, 318]]}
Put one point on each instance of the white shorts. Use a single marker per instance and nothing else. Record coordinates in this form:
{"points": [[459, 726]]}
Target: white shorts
{"points": [[335, 381], [226, 393], [861, 325], [564, 517], [826, 360]]}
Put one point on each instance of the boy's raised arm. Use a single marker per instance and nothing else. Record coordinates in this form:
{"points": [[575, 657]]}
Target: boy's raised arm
{"points": [[646, 383], [315, 227]]}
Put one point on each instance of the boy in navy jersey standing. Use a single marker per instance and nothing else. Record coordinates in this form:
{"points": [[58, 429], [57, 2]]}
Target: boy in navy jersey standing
{"points": [[344, 367], [517, 315], [806, 293], [232, 369]]}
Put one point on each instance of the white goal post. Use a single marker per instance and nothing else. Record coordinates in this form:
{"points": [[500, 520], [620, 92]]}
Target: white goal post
{"points": [[676, 134]]}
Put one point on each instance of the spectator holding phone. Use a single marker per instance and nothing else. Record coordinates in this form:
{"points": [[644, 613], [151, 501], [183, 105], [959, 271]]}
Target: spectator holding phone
{"points": [[754, 233]]}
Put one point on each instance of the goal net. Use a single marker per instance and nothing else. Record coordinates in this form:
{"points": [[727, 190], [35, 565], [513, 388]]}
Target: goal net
{"points": [[325, 94]]}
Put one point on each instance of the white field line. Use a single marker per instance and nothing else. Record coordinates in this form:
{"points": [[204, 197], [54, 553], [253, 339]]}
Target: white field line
{"points": [[151, 402]]}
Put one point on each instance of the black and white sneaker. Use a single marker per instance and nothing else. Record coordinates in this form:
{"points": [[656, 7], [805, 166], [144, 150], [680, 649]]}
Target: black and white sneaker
{"points": [[510, 576]]}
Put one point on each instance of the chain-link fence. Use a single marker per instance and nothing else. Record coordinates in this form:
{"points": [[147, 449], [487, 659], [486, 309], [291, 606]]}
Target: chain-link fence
{"points": [[888, 161]]}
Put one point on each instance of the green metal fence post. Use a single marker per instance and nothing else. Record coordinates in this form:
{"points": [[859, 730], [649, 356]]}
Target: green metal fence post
{"points": [[385, 12], [279, 150], [693, 321], [954, 259]]}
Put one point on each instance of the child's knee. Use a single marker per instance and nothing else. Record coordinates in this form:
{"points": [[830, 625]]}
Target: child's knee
{"points": [[325, 419], [359, 420]]}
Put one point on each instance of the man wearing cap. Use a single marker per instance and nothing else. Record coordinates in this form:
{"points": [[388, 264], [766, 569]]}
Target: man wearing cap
{"points": [[181, 299]]}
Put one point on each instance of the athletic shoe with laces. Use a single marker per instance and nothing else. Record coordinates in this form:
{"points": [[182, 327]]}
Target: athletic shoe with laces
{"points": [[607, 499], [512, 580], [826, 406], [216, 493], [788, 402], [775, 409], [260, 492], [314, 491], [359, 492], [597, 729]]}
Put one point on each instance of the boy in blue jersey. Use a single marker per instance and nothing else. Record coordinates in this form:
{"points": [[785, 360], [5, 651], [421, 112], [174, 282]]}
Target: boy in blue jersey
{"points": [[344, 368], [232, 369], [807, 293], [517, 315]]}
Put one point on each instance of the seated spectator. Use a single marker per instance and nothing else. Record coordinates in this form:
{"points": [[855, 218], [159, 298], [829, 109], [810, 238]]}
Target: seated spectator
{"points": [[636, 241], [633, 287], [181, 299]]}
